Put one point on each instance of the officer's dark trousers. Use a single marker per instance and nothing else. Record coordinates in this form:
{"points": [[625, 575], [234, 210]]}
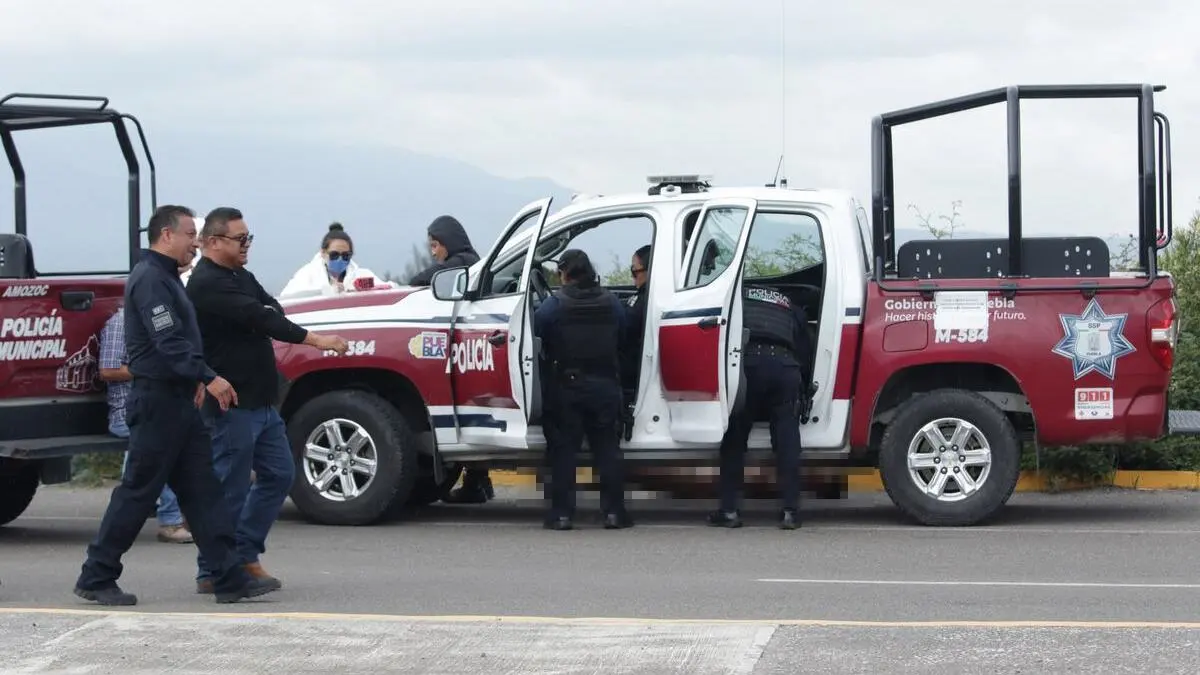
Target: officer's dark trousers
{"points": [[168, 445], [579, 407], [772, 388]]}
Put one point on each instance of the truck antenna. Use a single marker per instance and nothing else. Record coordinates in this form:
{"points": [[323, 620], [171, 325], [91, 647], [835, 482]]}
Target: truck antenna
{"points": [[780, 179]]}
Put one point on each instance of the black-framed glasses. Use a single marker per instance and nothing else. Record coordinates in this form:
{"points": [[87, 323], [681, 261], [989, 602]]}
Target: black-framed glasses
{"points": [[243, 240], [340, 255]]}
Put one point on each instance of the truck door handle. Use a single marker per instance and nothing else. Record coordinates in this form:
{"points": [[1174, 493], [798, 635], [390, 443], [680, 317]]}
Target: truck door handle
{"points": [[496, 339], [709, 322], [77, 301]]}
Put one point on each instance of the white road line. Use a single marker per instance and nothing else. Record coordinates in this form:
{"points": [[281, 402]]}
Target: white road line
{"points": [[766, 525], [1032, 584]]}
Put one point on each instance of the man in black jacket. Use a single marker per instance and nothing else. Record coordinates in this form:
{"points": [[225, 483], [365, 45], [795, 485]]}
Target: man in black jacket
{"points": [[451, 247], [238, 320]]}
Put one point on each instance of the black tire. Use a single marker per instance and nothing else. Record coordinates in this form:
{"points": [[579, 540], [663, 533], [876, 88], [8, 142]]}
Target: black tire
{"points": [[991, 422], [426, 491], [396, 449], [16, 494]]}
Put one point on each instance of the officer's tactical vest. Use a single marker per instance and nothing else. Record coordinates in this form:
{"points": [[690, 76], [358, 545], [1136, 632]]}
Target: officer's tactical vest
{"points": [[589, 331], [768, 315]]}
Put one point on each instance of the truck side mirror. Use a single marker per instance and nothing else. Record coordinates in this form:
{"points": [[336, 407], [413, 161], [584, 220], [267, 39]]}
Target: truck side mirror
{"points": [[449, 284]]}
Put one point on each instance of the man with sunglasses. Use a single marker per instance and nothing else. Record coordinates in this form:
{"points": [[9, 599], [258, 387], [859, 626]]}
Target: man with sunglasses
{"points": [[238, 319]]}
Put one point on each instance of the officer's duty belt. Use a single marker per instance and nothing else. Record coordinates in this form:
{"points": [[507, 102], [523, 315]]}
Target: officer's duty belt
{"points": [[769, 349]]}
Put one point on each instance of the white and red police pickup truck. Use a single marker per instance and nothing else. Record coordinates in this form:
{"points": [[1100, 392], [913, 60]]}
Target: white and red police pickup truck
{"points": [[934, 362]]}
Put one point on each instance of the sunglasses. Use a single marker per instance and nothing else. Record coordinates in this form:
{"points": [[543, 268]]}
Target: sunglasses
{"points": [[243, 240], [636, 270], [340, 255]]}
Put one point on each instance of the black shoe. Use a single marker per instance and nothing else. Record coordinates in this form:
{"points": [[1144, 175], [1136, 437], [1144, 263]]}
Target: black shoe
{"points": [[789, 520], [560, 523], [251, 589], [720, 518], [474, 490], [112, 596], [617, 521]]}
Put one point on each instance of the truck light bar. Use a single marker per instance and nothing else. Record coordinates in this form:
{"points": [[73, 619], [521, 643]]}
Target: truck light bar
{"points": [[679, 179]]}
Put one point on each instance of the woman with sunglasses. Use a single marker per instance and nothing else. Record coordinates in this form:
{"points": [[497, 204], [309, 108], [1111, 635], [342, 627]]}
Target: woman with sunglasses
{"points": [[332, 270]]}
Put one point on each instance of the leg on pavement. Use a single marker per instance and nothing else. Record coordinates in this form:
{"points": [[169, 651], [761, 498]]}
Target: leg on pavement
{"points": [[231, 458], [154, 447], [275, 469], [205, 506]]}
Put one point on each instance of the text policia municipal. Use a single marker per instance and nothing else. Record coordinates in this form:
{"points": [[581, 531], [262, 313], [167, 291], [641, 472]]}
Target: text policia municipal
{"points": [[30, 338]]}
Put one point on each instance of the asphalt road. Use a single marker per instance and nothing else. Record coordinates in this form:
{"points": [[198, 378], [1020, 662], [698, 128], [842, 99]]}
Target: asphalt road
{"points": [[1081, 582]]}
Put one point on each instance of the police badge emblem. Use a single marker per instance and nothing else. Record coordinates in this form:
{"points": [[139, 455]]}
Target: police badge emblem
{"points": [[1093, 340]]}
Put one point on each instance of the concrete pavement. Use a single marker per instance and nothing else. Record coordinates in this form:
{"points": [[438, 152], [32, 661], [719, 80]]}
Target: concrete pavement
{"points": [[484, 589]]}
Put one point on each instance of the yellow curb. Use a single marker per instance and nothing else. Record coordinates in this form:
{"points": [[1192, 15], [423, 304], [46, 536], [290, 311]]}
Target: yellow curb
{"points": [[867, 480]]}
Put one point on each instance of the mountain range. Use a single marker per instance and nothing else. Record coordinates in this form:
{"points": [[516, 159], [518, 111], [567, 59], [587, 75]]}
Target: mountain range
{"points": [[289, 191]]}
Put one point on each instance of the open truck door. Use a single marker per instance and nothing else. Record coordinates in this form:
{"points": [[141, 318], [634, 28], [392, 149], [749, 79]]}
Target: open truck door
{"points": [[492, 360], [700, 337]]}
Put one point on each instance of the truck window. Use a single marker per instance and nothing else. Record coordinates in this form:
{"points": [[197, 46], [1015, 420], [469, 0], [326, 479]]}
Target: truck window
{"points": [[715, 245], [781, 244], [504, 275]]}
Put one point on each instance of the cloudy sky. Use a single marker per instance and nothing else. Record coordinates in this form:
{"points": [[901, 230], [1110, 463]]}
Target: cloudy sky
{"points": [[596, 95]]}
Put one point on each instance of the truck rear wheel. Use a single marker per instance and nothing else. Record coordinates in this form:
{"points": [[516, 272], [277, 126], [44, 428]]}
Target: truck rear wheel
{"points": [[16, 494], [356, 455], [950, 458]]}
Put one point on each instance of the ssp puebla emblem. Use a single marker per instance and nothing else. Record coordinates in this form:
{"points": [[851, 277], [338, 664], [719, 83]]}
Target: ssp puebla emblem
{"points": [[1093, 340]]}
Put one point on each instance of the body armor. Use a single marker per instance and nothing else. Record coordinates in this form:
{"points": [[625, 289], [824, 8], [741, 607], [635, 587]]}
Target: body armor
{"points": [[769, 317], [589, 332]]}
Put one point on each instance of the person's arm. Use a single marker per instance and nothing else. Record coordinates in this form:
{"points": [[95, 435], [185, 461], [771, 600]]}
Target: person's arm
{"points": [[425, 276], [544, 317], [265, 297], [152, 300], [219, 295], [622, 317], [112, 351]]}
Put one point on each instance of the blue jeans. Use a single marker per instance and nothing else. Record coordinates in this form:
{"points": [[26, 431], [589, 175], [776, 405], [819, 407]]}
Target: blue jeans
{"points": [[244, 441], [169, 514]]}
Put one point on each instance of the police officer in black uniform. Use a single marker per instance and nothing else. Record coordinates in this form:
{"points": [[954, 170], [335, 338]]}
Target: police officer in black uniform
{"points": [[775, 386], [168, 441], [581, 327]]}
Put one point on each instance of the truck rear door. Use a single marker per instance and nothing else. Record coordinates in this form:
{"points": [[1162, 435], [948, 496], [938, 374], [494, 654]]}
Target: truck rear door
{"points": [[700, 329]]}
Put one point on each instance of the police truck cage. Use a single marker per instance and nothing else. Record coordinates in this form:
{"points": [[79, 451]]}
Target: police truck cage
{"points": [[678, 184], [18, 113], [1016, 257]]}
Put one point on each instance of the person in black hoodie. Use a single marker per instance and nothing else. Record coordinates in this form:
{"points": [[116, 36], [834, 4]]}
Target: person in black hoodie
{"points": [[451, 247]]}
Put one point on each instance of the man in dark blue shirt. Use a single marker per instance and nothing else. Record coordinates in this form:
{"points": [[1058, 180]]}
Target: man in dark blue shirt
{"points": [[168, 441], [582, 326]]}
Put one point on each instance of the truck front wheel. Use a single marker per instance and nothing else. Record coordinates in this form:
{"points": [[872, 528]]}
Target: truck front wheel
{"points": [[950, 458], [356, 456]]}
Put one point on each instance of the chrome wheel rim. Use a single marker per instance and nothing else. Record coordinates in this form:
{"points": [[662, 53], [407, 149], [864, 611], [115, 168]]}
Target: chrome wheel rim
{"points": [[949, 459], [340, 460]]}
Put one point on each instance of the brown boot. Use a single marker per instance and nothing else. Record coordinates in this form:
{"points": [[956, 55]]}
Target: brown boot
{"points": [[174, 534], [256, 570]]}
